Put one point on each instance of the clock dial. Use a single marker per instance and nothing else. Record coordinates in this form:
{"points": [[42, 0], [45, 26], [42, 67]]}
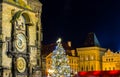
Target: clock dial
{"points": [[20, 42], [21, 64]]}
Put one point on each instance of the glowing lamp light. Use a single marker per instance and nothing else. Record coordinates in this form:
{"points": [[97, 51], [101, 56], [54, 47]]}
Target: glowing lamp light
{"points": [[83, 73], [113, 72]]}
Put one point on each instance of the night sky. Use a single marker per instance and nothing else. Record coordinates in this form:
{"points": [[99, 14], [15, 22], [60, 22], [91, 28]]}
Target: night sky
{"points": [[72, 20]]}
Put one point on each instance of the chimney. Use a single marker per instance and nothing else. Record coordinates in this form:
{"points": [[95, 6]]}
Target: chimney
{"points": [[69, 43], [73, 52]]}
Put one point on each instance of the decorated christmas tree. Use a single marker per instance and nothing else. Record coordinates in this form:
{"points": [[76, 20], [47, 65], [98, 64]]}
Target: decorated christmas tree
{"points": [[59, 66]]}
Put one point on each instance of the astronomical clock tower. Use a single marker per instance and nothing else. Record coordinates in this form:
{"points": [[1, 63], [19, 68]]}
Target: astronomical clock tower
{"points": [[20, 38]]}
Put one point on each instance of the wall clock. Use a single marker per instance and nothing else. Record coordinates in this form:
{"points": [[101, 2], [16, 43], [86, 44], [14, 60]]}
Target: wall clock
{"points": [[20, 42], [21, 64]]}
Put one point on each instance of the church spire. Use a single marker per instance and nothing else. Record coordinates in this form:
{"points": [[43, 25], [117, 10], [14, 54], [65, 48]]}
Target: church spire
{"points": [[91, 40]]}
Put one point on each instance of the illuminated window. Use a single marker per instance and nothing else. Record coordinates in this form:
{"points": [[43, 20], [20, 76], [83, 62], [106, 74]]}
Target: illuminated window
{"points": [[91, 57], [86, 58]]}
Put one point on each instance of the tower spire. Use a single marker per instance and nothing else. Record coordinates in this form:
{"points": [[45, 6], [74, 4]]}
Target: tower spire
{"points": [[91, 40]]}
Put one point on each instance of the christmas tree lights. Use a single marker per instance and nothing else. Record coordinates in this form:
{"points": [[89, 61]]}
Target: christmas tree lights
{"points": [[59, 66]]}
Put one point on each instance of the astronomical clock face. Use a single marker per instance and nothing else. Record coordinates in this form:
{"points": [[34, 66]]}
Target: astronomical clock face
{"points": [[21, 64], [20, 42]]}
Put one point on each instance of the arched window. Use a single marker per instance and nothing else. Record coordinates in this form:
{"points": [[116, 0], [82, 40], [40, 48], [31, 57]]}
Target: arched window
{"points": [[112, 59], [92, 57], [82, 69], [86, 68], [92, 68], [106, 59]]}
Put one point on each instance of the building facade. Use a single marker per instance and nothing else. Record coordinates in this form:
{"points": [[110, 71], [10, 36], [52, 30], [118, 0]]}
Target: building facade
{"points": [[20, 38], [90, 58], [90, 55], [73, 62], [111, 61]]}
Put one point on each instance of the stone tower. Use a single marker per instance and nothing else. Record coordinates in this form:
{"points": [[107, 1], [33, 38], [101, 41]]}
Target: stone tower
{"points": [[20, 38]]}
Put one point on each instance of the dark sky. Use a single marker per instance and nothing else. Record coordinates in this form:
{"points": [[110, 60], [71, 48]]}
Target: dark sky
{"points": [[74, 19]]}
